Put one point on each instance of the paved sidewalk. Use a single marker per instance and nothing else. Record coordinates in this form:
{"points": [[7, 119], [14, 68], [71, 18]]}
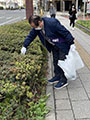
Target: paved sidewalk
{"points": [[65, 14], [73, 101]]}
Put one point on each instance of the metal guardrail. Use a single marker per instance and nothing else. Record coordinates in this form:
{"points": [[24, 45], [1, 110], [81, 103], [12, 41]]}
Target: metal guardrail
{"points": [[88, 30]]}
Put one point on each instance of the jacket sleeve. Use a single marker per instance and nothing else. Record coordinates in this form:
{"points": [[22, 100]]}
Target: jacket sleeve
{"points": [[30, 37], [63, 32]]}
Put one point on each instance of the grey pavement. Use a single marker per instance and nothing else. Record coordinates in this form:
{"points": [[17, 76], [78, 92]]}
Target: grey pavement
{"points": [[73, 101], [11, 16]]}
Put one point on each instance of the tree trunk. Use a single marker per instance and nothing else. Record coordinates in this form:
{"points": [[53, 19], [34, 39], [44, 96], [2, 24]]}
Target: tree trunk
{"points": [[29, 8]]}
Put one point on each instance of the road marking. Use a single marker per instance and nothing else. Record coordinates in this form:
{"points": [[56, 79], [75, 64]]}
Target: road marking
{"points": [[8, 18], [9, 21]]}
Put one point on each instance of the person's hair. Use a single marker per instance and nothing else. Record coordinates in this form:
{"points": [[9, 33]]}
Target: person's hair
{"points": [[73, 5], [35, 19]]}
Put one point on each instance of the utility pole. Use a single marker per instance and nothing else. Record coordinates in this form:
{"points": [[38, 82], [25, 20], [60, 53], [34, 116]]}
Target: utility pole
{"points": [[77, 5], [29, 8], [84, 10]]}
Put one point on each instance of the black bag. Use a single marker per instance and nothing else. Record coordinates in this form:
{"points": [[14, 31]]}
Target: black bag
{"points": [[70, 16]]}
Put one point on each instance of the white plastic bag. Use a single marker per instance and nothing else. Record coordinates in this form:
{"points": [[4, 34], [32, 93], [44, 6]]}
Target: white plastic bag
{"points": [[72, 63]]}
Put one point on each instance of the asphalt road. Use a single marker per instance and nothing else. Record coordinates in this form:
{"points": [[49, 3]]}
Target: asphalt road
{"points": [[11, 16]]}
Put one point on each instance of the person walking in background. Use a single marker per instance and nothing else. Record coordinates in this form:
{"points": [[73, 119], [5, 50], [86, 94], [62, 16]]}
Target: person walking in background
{"points": [[56, 38], [72, 16], [52, 11]]}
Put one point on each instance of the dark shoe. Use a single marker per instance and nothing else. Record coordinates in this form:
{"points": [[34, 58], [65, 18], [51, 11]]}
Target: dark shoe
{"points": [[54, 79], [60, 85]]}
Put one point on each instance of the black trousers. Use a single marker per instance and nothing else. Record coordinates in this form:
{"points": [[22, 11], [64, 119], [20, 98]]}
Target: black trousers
{"points": [[53, 16], [72, 22], [58, 55]]}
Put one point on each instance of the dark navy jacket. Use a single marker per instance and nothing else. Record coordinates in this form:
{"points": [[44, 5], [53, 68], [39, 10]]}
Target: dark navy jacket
{"points": [[53, 30]]}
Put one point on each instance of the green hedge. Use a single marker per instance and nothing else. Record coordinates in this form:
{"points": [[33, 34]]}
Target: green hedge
{"points": [[85, 23], [1, 8], [22, 77]]}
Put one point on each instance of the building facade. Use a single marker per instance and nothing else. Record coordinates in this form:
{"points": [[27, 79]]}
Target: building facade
{"points": [[64, 5], [12, 3], [3, 3]]}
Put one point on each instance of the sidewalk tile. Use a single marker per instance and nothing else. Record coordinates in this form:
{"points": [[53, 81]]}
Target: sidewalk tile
{"points": [[65, 115], [87, 86], [89, 95], [83, 119], [50, 100], [85, 77], [63, 105], [50, 116], [61, 94], [77, 94], [84, 70], [75, 83], [81, 109]]}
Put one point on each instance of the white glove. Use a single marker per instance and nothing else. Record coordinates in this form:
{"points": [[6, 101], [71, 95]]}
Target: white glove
{"points": [[23, 50], [73, 47]]}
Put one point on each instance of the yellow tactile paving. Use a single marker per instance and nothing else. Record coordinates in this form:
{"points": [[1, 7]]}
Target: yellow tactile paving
{"points": [[83, 53]]}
